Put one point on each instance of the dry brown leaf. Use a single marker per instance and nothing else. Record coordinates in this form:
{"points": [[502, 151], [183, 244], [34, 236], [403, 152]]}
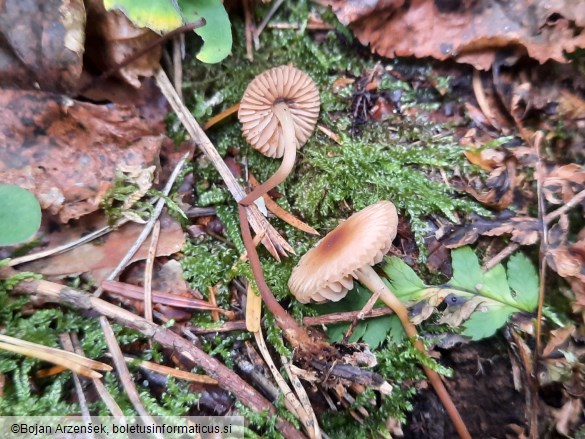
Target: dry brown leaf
{"points": [[523, 230], [563, 182], [467, 31], [100, 259], [66, 152], [42, 44], [500, 186], [112, 38]]}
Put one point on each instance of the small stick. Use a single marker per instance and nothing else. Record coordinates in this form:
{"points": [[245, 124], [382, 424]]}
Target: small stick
{"points": [[367, 308], [160, 204], [265, 21], [68, 346], [287, 217], [348, 316], [250, 29], [290, 400], [236, 325], [513, 246], [148, 272], [105, 395], [212, 302], [302, 395], [169, 371], [227, 379], [309, 26], [65, 247], [124, 373]]}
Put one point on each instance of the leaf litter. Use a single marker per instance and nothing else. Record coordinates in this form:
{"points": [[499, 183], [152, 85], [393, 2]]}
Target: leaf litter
{"points": [[476, 302]]}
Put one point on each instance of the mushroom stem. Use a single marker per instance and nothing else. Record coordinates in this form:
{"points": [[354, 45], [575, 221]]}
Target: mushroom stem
{"points": [[282, 112], [369, 278]]}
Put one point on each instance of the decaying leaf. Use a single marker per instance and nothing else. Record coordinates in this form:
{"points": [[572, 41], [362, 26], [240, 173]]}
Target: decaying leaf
{"points": [[42, 44], [467, 31], [563, 182], [100, 258], [112, 38], [523, 230], [66, 152]]}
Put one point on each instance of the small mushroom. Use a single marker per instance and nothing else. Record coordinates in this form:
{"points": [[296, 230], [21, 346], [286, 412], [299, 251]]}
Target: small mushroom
{"points": [[278, 113], [327, 272]]}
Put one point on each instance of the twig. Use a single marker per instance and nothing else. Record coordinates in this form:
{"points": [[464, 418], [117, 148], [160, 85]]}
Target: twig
{"points": [[290, 400], [148, 272], [178, 50], [237, 325], [160, 204], [274, 243], [67, 344], [513, 246], [137, 293], [302, 395], [367, 308], [266, 19], [105, 395], [123, 372], [348, 316], [249, 29], [309, 26], [63, 248], [227, 379], [81, 365], [169, 371]]}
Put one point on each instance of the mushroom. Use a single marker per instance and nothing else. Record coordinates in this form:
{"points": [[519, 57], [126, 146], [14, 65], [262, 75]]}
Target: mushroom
{"points": [[278, 113], [327, 272]]}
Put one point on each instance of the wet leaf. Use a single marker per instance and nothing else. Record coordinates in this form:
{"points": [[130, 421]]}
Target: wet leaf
{"points": [[42, 44], [217, 32], [469, 32], [66, 152], [20, 214]]}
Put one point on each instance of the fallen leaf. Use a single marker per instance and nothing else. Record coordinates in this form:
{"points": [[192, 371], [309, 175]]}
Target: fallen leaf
{"points": [[101, 258], [467, 31], [42, 44], [523, 230], [112, 38], [66, 152]]}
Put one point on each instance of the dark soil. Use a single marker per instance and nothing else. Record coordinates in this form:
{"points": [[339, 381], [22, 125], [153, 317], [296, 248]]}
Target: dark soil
{"points": [[483, 391]]}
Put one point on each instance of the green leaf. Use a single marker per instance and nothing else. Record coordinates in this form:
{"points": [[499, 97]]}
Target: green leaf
{"points": [[158, 15], [495, 285], [523, 279], [467, 273], [404, 282], [487, 319], [217, 32], [20, 214]]}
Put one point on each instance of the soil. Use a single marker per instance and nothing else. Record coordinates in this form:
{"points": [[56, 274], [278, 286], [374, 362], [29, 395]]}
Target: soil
{"points": [[483, 391]]}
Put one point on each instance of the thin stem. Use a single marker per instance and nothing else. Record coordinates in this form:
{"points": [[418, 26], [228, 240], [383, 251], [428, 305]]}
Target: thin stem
{"points": [[369, 278], [294, 332], [282, 112]]}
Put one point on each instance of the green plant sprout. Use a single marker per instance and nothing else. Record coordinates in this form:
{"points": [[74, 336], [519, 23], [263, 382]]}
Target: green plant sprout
{"points": [[167, 15]]}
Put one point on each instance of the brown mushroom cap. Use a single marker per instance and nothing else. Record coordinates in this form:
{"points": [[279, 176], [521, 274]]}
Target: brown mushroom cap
{"points": [[280, 84], [326, 272]]}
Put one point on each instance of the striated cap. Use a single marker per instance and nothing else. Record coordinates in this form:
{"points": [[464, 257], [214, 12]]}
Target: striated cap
{"points": [[284, 84], [327, 271]]}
